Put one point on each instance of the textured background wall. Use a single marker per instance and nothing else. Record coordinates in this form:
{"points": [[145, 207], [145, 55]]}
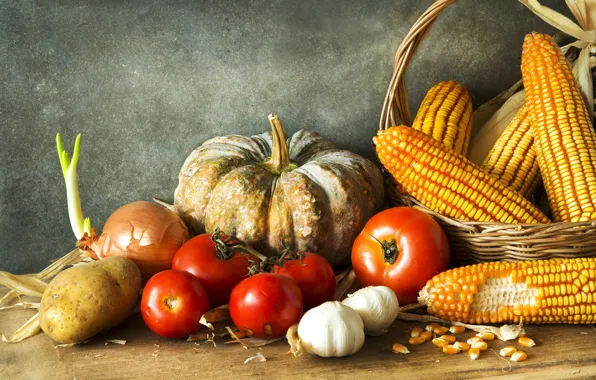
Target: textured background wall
{"points": [[146, 82]]}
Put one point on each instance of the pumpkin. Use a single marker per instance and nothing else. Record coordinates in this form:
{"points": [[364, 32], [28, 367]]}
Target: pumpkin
{"points": [[301, 194]]}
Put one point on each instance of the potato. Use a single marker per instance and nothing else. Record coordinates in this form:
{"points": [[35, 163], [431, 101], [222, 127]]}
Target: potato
{"points": [[84, 300]]}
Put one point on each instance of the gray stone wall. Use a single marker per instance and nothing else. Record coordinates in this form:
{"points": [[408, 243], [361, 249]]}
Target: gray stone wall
{"points": [[146, 82]]}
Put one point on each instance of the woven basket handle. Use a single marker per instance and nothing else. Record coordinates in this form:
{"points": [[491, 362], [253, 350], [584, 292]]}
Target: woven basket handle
{"points": [[396, 109]]}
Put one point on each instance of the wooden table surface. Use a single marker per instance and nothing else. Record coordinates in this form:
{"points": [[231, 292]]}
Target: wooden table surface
{"points": [[561, 352]]}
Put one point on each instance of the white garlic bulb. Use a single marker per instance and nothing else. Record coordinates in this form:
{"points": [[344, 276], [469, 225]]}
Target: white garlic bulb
{"points": [[331, 330], [378, 307]]}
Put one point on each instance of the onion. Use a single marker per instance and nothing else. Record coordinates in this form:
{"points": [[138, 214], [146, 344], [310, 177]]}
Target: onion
{"points": [[144, 232]]}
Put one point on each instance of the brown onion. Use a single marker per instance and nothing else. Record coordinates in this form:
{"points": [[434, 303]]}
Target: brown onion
{"points": [[144, 232]]}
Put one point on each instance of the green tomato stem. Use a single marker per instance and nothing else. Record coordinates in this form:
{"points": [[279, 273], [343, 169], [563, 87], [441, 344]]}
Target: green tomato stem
{"points": [[78, 224]]}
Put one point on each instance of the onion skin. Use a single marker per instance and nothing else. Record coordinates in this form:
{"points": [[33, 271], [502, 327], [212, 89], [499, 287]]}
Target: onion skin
{"points": [[144, 232]]}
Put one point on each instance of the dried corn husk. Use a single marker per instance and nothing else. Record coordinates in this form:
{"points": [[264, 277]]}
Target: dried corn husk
{"points": [[30, 328], [258, 358], [250, 342], [214, 316], [23, 284], [50, 271]]}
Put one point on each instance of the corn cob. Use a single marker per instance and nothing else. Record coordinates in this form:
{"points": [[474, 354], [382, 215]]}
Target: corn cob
{"points": [[564, 139], [544, 291], [449, 183], [513, 159], [446, 115]]}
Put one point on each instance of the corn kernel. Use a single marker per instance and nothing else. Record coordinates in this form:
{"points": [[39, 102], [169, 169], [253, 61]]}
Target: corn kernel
{"points": [[432, 326], [474, 353], [482, 346], [440, 342], [451, 349], [400, 349], [457, 329], [486, 335], [416, 340], [474, 339], [519, 356], [507, 351], [416, 331], [524, 341], [426, 335], [441, 330], [449, 338], [462, 346]]}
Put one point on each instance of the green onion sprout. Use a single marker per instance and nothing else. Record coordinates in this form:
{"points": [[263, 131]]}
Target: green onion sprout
{"points": [[79, 225]]}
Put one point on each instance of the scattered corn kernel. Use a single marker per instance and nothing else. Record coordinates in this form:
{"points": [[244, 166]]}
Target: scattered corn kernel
{"points": [[474, 353], [475, 339], [432, 326], [482, 346], [457, 329], [416, 331], [519, 356], [440, 342], [462, 346], [526, 342], [449, 338], [507, 351], [441, 330], [427, 335], [486, 335], [451, 349], [416, 340], [400, 349]]}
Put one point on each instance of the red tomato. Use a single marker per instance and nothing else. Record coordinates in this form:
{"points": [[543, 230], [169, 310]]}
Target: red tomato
{"points": [[266, 305], [218, 273], [173, 303], [401, 248], [314, 277]]}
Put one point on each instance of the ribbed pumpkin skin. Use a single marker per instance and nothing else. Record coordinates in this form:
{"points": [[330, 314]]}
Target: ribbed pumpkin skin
{"points": [[319, 206]]}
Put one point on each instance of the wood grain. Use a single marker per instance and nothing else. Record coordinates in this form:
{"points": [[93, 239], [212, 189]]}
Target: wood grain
{"points": [[561, 352]]}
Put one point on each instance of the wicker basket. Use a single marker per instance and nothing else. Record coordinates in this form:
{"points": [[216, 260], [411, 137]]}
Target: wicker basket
{"points": [[473, 242]]}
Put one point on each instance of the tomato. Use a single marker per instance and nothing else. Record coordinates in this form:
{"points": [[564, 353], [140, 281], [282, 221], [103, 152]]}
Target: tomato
{"points": [[314, 277], [173, 303], [266, 305], [218, 267], [401, 248]]}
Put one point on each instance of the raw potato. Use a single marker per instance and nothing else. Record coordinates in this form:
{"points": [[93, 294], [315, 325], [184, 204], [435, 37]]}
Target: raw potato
{"points": [[89, 298]]}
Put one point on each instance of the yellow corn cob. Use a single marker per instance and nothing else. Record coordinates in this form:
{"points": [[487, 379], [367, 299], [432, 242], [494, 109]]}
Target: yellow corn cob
{"points": [[449, 183], [446, 115], [513, 159], [564, 139], [544, 291]]}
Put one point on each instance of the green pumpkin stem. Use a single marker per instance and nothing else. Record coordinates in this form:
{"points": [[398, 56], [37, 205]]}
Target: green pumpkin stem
{"points": [[280, 156]]}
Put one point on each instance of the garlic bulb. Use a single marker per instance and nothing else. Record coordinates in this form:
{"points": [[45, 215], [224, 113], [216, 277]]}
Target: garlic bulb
{"points": [[331, 330], [378, 307]]}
